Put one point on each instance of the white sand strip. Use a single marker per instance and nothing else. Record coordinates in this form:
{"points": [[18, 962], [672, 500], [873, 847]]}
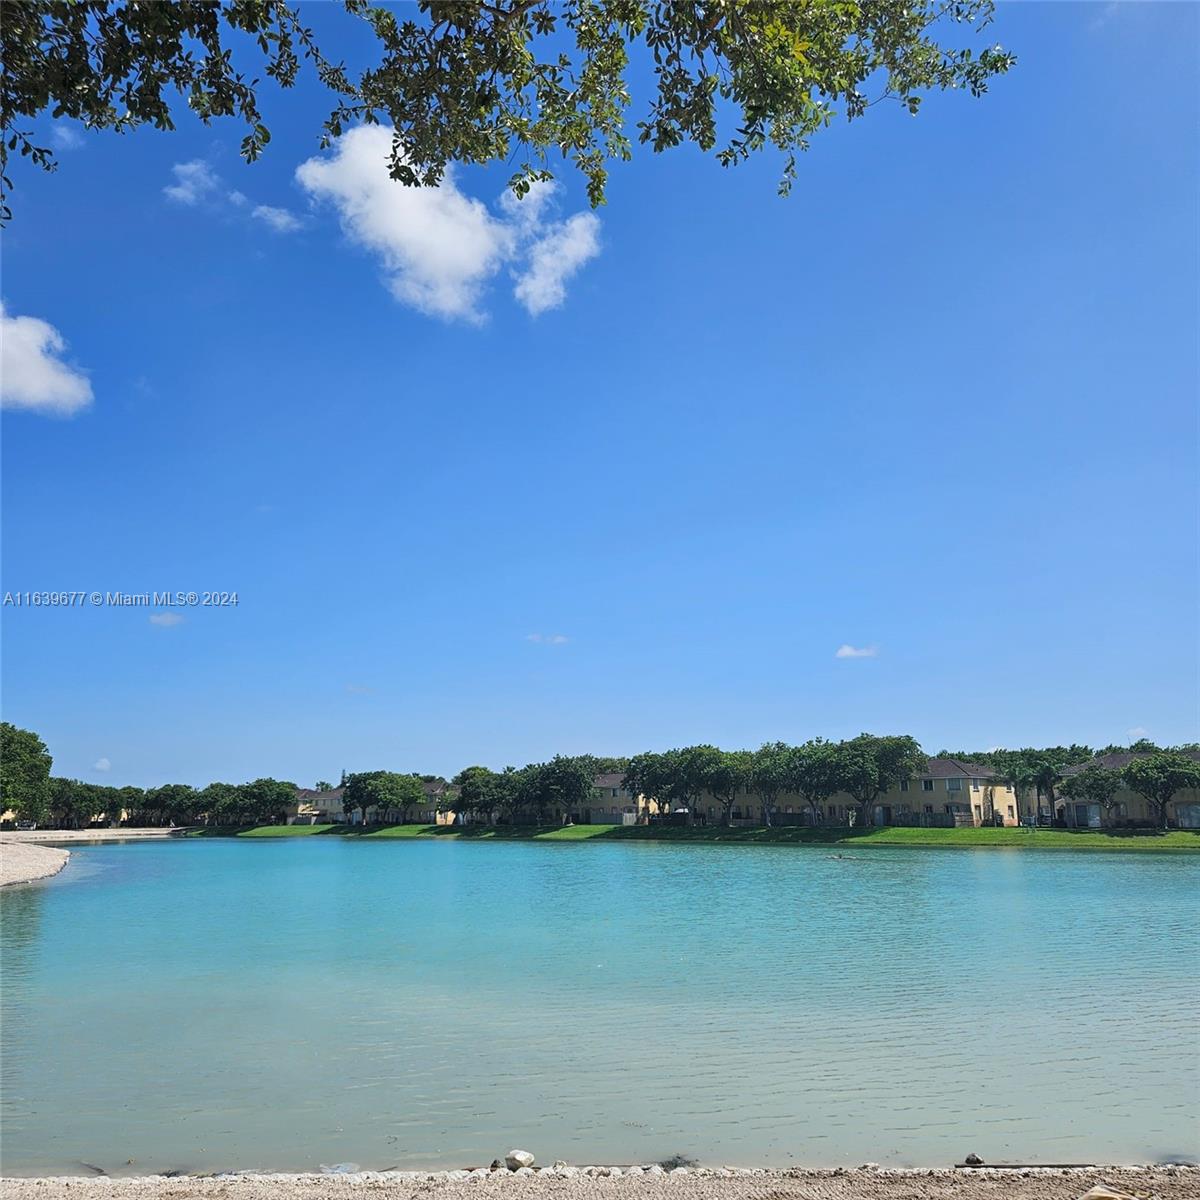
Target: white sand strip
{"points": [[23, 863], [85, 835]]}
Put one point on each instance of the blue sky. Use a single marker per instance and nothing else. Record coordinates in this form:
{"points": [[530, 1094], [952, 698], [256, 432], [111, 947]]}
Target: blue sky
{"points": [[491, 488]]}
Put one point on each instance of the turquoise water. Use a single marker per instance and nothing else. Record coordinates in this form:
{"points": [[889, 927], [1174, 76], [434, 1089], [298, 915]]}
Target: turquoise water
{"points": [[279, 1005]]}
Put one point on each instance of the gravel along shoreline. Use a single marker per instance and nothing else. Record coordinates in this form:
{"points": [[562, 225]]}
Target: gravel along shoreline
{"points": [[23, 862], [624, 1183]]}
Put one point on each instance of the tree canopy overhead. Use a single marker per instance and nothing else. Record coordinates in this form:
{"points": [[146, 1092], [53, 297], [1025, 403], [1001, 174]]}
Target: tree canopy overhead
{"points": [[526, 82]]}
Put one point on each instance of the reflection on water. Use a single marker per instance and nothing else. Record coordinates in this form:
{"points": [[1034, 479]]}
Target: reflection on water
{"points": [[213, 1004]]}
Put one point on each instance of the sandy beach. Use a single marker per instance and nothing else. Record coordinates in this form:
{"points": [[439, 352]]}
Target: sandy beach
{"points": [[22, 862], [1142, 1183], [85, 835]]}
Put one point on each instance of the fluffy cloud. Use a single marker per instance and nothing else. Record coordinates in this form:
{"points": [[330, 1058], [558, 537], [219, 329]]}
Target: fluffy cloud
{"points": [[439, 247], [279, 219], [102, 764], [32, 373], [1137, 733], [848, 651], [166, 620], [194, 181], [554, 258], [547, 639]]}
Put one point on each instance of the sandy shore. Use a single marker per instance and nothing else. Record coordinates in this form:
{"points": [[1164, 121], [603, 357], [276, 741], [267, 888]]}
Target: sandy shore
{"points": [[1151, 1183], [23, 863], [84, 835]]}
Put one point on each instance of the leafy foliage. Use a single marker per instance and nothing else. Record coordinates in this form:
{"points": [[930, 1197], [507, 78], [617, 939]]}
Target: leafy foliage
{"points": [[24, 773], [816, 772], [477, 81], [1159, 776], [726, 776], [771, 775], [1093, 785], [384, 791], [868, 765]]}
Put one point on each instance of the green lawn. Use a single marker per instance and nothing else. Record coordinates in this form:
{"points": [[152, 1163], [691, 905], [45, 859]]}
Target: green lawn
{"points": [[966, 838]]}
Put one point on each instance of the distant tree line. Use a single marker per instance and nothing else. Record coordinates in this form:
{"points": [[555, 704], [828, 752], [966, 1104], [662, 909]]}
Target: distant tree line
{"points": [[863, 768]]}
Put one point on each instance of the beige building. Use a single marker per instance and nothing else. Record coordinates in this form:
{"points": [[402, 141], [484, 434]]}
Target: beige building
{"points": [[949, 792], [317, 808], [612, 803], [325, 808]]}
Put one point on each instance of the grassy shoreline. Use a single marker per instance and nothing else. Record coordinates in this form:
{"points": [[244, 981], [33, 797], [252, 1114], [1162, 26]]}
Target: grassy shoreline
{"points": [[966, 838]]}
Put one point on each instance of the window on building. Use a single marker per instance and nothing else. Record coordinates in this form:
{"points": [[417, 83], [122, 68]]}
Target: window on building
{"points": [[974, 785], [954, 785], [1011, 814], [929, 810], [904, 785], [927, 785]]}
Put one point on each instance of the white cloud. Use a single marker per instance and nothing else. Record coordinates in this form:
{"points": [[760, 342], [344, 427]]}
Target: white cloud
{"points": [[547, 639], [554, 258], [32, 373], [236, 198], [847, 651], [279, 219], [166, 620], [526, 211], [1137, 732], [194, 181], [66, 138], [102, 764], [439, 247]]}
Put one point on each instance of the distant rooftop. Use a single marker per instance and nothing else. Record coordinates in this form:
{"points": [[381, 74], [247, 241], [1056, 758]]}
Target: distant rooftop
{"points": [[1119, 760], [307, 795], [953, 768]]}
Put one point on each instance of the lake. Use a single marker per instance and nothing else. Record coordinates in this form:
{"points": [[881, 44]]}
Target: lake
{"points": [[217, 1004]]}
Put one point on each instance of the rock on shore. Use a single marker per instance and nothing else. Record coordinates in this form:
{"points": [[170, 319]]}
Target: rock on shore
{"points": [[23, 862]]}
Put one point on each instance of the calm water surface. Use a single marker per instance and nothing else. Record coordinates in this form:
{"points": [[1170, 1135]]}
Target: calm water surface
{"points": [[221, 1004]]}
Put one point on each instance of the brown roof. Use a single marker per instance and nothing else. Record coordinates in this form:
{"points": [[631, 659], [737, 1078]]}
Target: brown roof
{"points": [[310, 794], [610, 779], [952, 768]]}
